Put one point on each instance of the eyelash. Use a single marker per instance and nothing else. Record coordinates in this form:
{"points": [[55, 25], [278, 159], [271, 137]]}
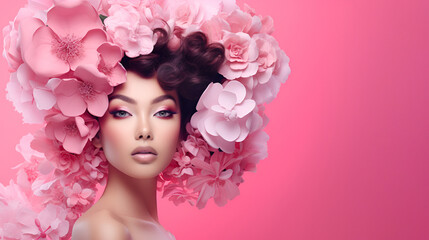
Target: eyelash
{"points": [[116, 113], [168, 112]]}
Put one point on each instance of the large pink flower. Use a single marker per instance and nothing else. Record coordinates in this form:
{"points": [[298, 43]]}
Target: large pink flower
{"points": [[30, 95], [241, 53], [265, 92], [16, 212], [12, 42], [71, 38], [129, 29], [88, 91], [72, 132], [268, 48], [192, 12], [215, 179], [224, 116], [109, 63], [50, 223]]}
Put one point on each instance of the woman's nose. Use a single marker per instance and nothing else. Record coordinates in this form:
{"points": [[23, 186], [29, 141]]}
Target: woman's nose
{"points": [[143, 131]]}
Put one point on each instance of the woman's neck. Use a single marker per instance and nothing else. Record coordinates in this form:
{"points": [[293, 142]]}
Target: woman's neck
{"points": [[130, 197]]}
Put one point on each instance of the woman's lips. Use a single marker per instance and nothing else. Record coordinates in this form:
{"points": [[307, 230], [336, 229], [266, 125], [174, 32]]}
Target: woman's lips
{"points": [[144, 154]]}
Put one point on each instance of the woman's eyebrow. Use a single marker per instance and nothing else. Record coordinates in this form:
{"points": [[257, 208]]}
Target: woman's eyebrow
{"points": [[123, 98], [132, 101], [162, 98]]}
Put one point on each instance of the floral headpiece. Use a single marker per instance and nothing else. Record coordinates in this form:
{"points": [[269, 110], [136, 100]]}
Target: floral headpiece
{"points": [[64, 58]]}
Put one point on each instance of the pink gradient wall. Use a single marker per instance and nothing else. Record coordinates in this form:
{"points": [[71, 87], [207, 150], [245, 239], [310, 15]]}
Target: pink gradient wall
{"points": [[349, 131]]}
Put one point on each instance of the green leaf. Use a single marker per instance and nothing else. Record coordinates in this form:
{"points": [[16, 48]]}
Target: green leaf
{"points": [[102, 17]]}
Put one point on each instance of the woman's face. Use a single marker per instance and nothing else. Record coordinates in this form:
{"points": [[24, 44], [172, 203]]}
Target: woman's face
{"points": [[140, 131]]}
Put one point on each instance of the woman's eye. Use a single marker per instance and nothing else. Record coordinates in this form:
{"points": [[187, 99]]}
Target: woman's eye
{"points": [[165, 114], [120, 114]]}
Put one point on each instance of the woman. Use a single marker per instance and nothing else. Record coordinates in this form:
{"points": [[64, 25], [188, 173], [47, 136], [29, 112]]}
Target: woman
{"points": [[143, 95], [140, 133]]}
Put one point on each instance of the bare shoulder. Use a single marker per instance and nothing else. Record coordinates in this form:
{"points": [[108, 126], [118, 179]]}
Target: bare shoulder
{"points": [[100, 225]]}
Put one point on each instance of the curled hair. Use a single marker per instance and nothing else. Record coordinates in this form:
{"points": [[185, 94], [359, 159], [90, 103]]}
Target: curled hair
{"points": [[188, 70]]}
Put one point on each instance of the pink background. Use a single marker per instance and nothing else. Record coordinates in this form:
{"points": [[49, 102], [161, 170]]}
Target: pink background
{"points": [[348, 153]]}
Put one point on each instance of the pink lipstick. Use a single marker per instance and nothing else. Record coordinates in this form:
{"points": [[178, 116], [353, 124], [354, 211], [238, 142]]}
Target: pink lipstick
{"points": [[144, 154]]}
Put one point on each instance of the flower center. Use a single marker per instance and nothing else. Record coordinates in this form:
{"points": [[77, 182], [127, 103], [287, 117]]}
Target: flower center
{"points": [[236, 51], [104, 69], [67, 48], [86, 90], [230, 115], [71, 129]]}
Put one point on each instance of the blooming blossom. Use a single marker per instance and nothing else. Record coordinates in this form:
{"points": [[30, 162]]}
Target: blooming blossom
{"points": [[215, 179], [72, 132], [241, 53], [50, 223], [266, 92], [129, 30], [178, 193], [109, 64], [30, 94], [71, 38], [192, 12], [224, 116], [88, 90], [77, 195]]}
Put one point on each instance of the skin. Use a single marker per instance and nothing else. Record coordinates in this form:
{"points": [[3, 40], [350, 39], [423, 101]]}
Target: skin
{"points": [[140, 114]]}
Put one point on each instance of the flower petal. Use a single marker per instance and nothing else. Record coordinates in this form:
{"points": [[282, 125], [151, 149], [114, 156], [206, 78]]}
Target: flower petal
{"points": [[98, 104], [111, 54], [245, 108], [74, 144], [227, 99], [44, 99], [40, 57], [228, 130], [90, 43], [75, 21], [71, 106], [237, 88]]}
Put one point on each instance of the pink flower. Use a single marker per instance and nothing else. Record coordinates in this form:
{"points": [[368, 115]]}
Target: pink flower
{"points": [[71, 38], [129, 30], [72, 132], [192, 12], [109, 64], [89, 90], [178, 193], [241, 53], [30, 95], [266, 92], [12, 43], [268, 48], [215, 179], [51, 223], [95, 164], [239, 21], [183, 162], [224, 116], [77, 195], [11, 49], [267, 23], [215, 28], [252, 150], [65, 163], [16, 212]]}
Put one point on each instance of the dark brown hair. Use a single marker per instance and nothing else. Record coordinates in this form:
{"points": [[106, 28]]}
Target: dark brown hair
{"points": [[188, 70]]}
